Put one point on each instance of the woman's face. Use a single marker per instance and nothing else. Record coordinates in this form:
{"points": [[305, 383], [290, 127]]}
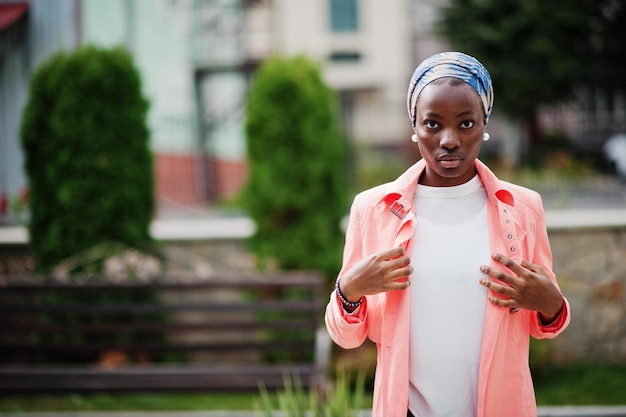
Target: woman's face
{"points": [[450, 123]]}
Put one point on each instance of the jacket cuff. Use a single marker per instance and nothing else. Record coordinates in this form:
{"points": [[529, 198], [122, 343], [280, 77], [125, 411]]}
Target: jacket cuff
{"points": [[558, 322], [354, 317]]}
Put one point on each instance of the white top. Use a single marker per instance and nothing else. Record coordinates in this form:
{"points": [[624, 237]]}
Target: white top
{"points": [[447, 302]]}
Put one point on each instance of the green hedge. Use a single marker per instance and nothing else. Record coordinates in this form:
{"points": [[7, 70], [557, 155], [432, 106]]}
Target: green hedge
{"points": [[296, 189], [87, 158]]}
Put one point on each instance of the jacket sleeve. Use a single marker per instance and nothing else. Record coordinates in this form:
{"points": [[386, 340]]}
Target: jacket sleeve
{"points": [[348, 330], [542, 255]]}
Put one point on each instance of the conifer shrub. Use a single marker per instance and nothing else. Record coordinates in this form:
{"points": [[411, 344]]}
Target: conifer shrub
{"points": [[296, 192], [87, 158], [89, 169]]}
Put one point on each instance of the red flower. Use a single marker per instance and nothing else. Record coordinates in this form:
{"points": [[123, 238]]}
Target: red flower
{"points": [[4, 202]]}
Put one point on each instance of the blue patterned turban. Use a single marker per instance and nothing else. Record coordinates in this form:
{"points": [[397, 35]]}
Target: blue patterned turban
{"points": [[451, 64]]}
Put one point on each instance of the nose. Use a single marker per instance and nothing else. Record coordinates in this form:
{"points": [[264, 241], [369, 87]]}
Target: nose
{"points": [[449, 140]]}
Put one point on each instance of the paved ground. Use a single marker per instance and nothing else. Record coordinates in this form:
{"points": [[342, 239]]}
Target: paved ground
{"points": [[617, 411]]}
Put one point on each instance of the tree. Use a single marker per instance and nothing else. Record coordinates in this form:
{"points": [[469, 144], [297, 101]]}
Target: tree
{"points": [[295, 192], [87, 159], [540, 52]]}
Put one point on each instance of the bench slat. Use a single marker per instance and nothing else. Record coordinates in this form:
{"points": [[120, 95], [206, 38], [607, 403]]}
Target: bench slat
{"points": [[240, 345], [140, 378], [218, 333], [151, 328], [73, 309]]}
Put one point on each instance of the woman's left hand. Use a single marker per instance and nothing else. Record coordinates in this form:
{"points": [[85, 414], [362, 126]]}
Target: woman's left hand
{"points": [[530, 288]]}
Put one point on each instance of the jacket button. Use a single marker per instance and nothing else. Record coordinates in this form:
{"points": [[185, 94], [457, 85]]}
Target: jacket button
{"points": [[512, 249], [509, 236]]}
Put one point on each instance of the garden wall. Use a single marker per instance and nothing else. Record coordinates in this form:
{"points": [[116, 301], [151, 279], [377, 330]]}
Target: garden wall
{"points": [[589, 250], [590, 264]]}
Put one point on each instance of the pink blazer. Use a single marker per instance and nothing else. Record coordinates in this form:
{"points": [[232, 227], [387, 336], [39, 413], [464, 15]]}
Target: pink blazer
{"points": [[516, 228]]}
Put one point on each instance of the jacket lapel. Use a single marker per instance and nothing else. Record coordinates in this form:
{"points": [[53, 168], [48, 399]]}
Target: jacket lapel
{"points": [[398, 202]]}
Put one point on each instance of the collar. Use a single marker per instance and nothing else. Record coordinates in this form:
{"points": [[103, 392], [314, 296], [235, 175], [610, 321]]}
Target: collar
{"points": [[398, 195]]}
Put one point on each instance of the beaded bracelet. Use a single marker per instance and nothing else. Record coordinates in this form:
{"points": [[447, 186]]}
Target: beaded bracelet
{"points": [[344, 301]]}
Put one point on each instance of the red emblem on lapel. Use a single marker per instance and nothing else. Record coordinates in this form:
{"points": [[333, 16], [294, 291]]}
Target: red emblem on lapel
{"points": [[398, 209]]}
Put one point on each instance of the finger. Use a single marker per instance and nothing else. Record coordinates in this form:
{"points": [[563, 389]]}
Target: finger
{"points": [[402, 272], [509, 263], [530, 266], [496, 273], [389, 254], [512, 304], [538, 269], [399, 262], [499, 288], [400, 284]]}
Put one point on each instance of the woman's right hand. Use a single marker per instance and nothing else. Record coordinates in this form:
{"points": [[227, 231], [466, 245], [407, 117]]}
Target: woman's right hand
{"points": [[387, 270]]}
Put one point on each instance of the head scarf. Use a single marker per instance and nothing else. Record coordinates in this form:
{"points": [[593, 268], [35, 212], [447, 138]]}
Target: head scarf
{"points": [[451, 64]]}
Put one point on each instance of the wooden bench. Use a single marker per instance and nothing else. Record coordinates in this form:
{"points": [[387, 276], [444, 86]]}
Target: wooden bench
{"points": [[223, 333]]}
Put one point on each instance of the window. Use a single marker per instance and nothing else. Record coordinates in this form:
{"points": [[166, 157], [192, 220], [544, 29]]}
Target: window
{"points": [[345, 56], [344, 15]]}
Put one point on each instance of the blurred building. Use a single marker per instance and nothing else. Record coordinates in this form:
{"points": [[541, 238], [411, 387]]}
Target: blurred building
{"points": [[29, 32], [196, 58], [365, 49]]}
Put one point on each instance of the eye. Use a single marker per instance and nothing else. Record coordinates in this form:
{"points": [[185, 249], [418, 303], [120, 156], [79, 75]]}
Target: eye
{"points": [[467, 124], [430, 124]]}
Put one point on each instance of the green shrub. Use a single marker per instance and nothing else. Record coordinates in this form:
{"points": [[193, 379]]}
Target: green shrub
{"points": [[296, 189], [89, 171], [88, 163]]}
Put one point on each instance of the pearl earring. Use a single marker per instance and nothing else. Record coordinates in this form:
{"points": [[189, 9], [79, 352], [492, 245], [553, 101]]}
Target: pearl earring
{"points": [[414, 138], [485, 136]]}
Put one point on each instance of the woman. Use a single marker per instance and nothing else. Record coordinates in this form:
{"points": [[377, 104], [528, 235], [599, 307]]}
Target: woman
{"points": [[448, 269]]}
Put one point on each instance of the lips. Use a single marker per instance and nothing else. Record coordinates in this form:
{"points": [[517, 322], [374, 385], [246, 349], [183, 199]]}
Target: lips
{"points": [[450, 160], [450, 157]]}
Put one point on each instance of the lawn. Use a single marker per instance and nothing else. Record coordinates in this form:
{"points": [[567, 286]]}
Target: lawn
{"points": [[129, 402], [583, 384]]}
